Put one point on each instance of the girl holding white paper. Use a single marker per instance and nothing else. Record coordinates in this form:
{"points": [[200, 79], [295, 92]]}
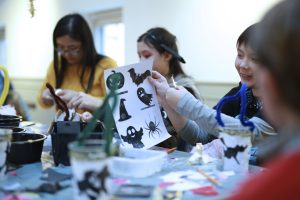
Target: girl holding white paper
{"points": [[159, 44], [195, 121]]}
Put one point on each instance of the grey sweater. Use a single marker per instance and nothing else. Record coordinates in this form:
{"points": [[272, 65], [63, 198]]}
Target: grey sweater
{"points": [[201, 124]]}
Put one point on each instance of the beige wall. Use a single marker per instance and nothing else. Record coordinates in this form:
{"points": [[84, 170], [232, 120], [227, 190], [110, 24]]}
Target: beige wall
{"points": [[206, 31], [28, 89]]}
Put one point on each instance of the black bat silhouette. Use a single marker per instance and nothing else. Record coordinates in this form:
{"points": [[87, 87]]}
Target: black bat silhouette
{"points": [[138, 78], [93, 183], [232, 152]]}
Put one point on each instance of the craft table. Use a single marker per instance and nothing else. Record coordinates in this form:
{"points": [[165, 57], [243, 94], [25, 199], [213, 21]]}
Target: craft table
{"points": [[29, 176]]}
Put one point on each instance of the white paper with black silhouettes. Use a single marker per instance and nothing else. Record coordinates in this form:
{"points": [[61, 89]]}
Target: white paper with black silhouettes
{"points": [[137, 114]]}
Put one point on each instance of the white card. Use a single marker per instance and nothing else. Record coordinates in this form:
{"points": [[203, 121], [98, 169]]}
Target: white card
{"points": [[137, 114]]}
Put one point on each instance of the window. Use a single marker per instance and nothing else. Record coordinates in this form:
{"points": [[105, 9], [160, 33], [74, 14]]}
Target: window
{"points": [[2, 47], [108, 30]]}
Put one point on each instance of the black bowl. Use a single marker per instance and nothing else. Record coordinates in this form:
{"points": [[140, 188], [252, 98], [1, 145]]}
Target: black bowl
{"points": [[10, 120], [26, 148], [15, 129]]}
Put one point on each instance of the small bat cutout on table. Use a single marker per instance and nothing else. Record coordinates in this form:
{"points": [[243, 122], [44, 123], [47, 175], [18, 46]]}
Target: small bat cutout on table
{"points": [[232, 152]]}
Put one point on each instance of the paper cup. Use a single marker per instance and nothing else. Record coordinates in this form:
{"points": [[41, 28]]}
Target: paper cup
{"points": [[5, 141], [236, 141], [90, 170]]}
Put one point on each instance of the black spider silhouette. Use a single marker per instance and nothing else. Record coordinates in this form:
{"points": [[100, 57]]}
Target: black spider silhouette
{"points": [[153, 129]]}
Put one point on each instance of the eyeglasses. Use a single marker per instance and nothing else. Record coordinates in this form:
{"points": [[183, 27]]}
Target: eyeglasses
{"points": [[73, 51]]}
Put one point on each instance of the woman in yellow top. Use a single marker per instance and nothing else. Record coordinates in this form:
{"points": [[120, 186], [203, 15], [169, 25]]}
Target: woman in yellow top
{"points": [[77, 68]]}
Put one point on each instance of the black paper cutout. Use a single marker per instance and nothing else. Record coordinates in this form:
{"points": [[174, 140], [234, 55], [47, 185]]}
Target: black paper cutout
{"points": [[3, 167], [5, 164], [144, 97], [138, 78], [124, 92], [153, 129], [134, 137], [115, 80], [123, 112], [93, 183], [49, 187], [232, 152], [53, 176]]}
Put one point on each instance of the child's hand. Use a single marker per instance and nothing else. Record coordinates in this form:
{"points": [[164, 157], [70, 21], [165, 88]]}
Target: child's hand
{"points": [[86, 116], [161, 86]]}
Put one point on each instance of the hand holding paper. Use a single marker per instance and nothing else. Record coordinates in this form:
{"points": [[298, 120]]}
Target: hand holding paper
{"points": [[161, 86]]}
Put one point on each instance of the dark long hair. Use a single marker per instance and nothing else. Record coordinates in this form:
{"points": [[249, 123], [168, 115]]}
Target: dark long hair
{"points": [[163, 41], [277, 42], [75, 26], [245, 37]]}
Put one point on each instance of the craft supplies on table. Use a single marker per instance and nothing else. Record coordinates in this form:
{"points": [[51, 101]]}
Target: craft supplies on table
{"points": [[135, 162]]}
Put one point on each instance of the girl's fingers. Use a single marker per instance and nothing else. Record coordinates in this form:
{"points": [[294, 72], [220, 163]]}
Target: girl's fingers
{"points": [[155, 74]]}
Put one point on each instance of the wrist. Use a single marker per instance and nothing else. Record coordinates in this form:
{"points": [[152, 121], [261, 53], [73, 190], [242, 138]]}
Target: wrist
{"points": [[168, 93], [172, 97], [162, 96]]}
